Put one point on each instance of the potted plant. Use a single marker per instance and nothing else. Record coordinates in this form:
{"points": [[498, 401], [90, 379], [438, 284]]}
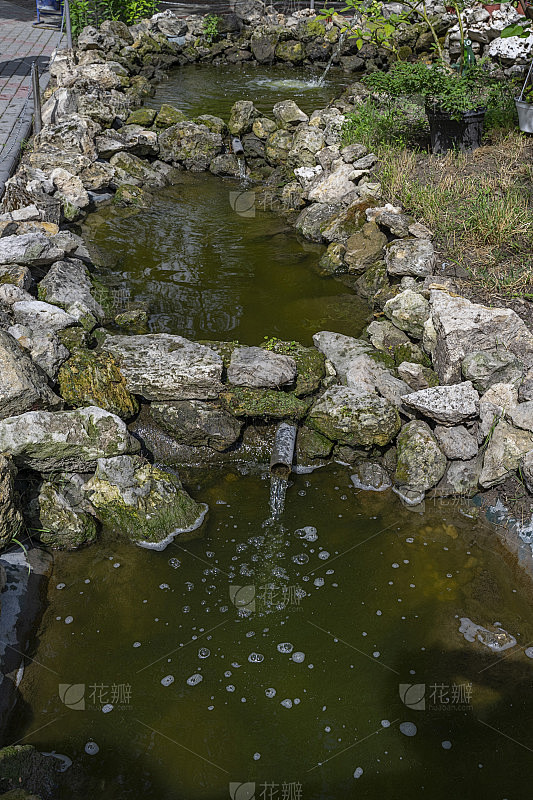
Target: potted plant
{"points": [[524, 104], [455, 101]]}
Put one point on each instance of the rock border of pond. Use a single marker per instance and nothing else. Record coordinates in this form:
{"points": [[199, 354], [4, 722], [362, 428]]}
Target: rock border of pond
{"points": [[435, 399]]}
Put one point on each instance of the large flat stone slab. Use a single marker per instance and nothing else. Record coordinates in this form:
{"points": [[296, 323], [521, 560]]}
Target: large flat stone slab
{"points": [[258, 368], [163, 367], [66, 440], [447, 405]]}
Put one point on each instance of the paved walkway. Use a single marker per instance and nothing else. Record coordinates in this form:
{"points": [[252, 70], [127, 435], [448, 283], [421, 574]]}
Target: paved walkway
{"points": [[20, 45]]}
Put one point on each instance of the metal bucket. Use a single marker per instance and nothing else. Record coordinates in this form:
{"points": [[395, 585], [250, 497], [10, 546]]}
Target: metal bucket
{"points": [[525, 115]]}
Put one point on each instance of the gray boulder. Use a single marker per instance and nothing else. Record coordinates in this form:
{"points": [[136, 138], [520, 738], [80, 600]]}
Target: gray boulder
{"points": [[409, 311], [139, 501], [11, 522], [463, 327], [370, 477], [416, 376], [314, 219], [526, 470], [525, 391], [43, 346], [258, 368], [364, 248], [461, 478], [37, 315], [340, 350], [522, 415], [336, 187], [354, 418], [165, 367], [30, 249], [288, 114], [65, 440], [194, 146], [65, 521], [421, 464], [447, 405], [487, 367], [22, 385], [197, 423], [410, 257], [505, 449], [242, 116], [495, 403], [456, 443], [367, 374], [68, 284], [135, 171]]}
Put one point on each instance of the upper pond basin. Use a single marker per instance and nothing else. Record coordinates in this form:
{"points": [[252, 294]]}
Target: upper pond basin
{"points": [[262, 659]]}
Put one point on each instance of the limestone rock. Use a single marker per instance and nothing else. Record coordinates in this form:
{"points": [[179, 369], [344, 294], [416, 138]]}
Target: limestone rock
{"points": [[314, 219], [504, 452], [463, 327], [134, 171], [310, 364], [526, 470], [22, 385], [311, 446], [63, 525], [421, 464], [89, 378], [197, 423], [340, 350], [30, 249], [43, 345], [165, 367], [410, 257], [487, 367], [288, 114], [68, 144], [364, 247], [70, 186], [11, 522], [266, 404], [242, 116], [525, 391], [447, 405], [258, 368], [350, 417], [409, 311], [417, 376], [461, 478], [192, 145], [456, 442], [141, 502], [278, 146], [65, 440], [497, 402], [336, 187], [367, 374], [69, 285], [522, 416]]}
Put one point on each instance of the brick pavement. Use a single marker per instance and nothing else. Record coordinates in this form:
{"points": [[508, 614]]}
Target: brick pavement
{"points": [[20, 45]]}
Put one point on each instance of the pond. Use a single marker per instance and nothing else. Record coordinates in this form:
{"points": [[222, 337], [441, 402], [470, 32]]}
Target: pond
{"points": [[275, 654], [207, 89], [207, 272]]}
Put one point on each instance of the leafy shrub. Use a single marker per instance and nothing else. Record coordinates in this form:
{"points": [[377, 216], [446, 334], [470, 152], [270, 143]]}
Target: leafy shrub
{"points": [[94, 12]]}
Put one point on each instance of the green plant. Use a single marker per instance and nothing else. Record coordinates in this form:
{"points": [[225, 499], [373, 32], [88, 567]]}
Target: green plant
{"points": [[211, 27], [384, 123], [450, 91], [94, 12]]}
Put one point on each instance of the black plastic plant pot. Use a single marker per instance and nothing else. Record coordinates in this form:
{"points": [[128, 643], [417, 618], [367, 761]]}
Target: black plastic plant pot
{"points": [[463, 134]]}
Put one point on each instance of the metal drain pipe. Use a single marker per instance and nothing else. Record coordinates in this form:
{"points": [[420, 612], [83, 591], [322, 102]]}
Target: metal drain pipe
{"points": [[236, 146], [283, 450]]}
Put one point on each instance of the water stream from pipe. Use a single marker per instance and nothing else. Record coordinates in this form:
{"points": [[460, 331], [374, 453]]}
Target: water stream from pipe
{"points": [[334, 55]]}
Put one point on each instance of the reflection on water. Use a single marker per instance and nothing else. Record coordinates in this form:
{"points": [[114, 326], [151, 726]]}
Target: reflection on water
{"points": [[287, 654], [205, 89], [207, 272]]}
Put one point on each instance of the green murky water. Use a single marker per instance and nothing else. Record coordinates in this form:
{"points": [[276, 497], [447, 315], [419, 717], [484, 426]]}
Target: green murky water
{"points": [[205, 89], [369, 597], [208, 272]]}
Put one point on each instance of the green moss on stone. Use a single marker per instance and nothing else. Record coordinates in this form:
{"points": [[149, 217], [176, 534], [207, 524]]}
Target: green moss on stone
{"points": [[142, 116], [89, 378], [168, 115], [264, 403], [310, 363]]}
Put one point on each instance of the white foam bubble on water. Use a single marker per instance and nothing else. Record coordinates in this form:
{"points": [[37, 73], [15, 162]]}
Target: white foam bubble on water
{"points": [[270, 692], [301, 558], [308, 533], [91, 748], [385, 723], [117, 565], [408, 728], [323, 555], [136, 644], [68, 620], [167, 680], [298, 657], [256, 658], [204, 652], [285, 647], [296, 701], [319, 581], [107, 708], [446, 745], [230, 687], [195, 679], [257, 756], [358, 772], [529, 652], [164, 586], [395, 565], [287, 703]]}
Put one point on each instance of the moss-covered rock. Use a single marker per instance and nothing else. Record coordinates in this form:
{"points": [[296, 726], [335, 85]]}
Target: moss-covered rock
{"points": [[349, 417], [129, 195], [89, 378], [291, 51], [224, 349], [11, 522], [372, 281], [168, 115], [134, 320], [310, 364], [142, 116], [139, 501], [197, 423], [264, 403], [332, 262], [23, 768], [62, 525], [311, 445], [421, 463]]}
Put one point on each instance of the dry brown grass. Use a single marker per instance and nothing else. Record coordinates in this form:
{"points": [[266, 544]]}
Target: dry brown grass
{"points": [[479, 205]]}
